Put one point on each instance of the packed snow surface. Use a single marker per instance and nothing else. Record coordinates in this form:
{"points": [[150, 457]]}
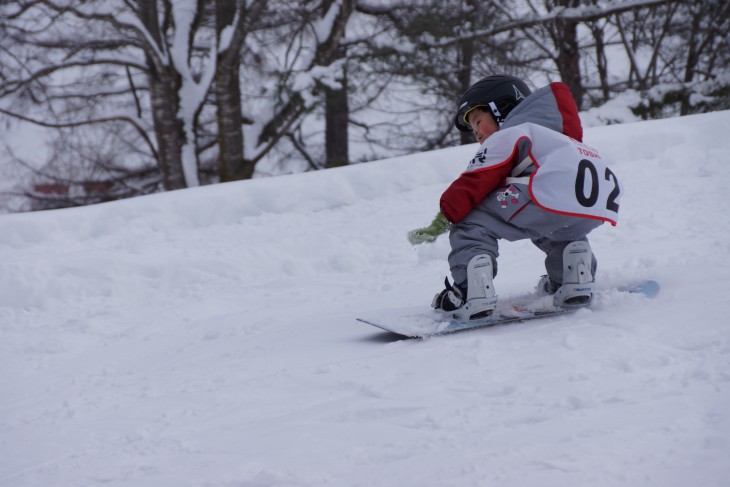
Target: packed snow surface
{"points": [[207, 337]]}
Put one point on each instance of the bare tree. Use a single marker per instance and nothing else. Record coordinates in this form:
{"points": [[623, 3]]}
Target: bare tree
{"points": [[689, 46], [234, 19], [598, 32], [708, 46], [431, 54], [151, 65], [50, 79], [564, 35], [337, 110], [89, 44], [305, 64]]}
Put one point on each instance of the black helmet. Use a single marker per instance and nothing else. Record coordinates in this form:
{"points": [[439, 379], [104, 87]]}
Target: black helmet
{"points": [[499, 94]]}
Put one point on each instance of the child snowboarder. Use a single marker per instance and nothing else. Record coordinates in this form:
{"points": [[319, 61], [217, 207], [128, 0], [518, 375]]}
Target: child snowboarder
{"points": [[531, 178]]}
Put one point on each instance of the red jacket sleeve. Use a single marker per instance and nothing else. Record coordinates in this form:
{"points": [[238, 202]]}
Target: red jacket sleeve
{"points": [[470, 189]]}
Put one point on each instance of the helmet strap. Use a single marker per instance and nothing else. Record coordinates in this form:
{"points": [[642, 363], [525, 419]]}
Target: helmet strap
{"points": [[496, 113]]}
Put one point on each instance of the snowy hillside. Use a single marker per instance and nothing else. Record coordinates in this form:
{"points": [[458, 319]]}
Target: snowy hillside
{"points": [[207, 337]]}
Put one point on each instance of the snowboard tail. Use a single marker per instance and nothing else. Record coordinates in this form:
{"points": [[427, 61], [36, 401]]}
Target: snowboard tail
{"points": [[419, 322]]}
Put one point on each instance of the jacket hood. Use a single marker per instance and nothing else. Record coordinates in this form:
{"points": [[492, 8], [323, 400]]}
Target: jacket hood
{"points": [[551, 106]]}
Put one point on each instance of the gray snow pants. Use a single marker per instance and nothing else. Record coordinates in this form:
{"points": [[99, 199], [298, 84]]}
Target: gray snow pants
{"points": [[502, 215]]}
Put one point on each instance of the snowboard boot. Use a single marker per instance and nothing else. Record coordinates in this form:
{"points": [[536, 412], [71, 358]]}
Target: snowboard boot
{"points": [[450, 299], [480, 299], [576, 289]]}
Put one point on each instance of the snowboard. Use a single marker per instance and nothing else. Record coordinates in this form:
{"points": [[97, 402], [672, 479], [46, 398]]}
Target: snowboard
{"points": [[421, 322]]}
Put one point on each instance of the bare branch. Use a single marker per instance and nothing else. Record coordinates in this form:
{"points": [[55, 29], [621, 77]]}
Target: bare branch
{"points": [[15, 85], [81, 123], [576, 14]]}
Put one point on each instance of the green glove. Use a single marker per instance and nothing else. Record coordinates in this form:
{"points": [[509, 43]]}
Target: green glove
{"points": [[438, 226]]}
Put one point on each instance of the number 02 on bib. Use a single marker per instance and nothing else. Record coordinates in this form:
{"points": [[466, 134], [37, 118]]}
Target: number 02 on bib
{"points": [[571, 178]]}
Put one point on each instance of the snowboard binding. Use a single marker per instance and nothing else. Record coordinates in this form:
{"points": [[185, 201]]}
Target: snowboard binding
{"points": [[480, 301], [576, 290]]}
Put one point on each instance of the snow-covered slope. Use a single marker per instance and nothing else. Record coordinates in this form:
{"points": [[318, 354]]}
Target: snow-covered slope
{"points": [[207, 337]]}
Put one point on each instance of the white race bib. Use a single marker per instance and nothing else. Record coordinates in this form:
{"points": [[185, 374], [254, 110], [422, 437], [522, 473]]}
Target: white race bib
{"points": [[571, 178]]}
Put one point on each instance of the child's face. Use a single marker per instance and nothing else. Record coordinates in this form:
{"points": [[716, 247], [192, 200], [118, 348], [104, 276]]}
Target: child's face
{"points": [[482, 124]]}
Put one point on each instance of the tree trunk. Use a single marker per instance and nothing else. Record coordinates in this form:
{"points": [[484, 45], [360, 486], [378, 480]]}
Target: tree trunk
{"points": [[568, 58], [168, 128], [231, 163], [466, 51], [601, 60], [693, 56], [337, 119], [164, 87]]}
